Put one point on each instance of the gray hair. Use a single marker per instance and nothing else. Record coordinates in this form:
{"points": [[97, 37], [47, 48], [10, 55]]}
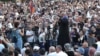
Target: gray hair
{"points": [[59, 46], [68, 47]]}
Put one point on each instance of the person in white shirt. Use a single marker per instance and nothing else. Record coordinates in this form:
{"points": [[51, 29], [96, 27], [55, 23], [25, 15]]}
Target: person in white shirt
{"points": [[24, 49], [9, 24], [52, 51], [30, 35], [98, 43], [59, 51], [1, 46], [42, 40]]}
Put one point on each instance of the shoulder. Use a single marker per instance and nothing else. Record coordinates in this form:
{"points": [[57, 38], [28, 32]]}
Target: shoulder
{"points": [[51, 54], [63, 54], [98, 43], [29, 31], [2, 46]]}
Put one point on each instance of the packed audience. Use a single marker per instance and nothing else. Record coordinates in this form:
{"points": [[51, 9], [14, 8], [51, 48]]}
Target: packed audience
{"points": [[31, 28]]}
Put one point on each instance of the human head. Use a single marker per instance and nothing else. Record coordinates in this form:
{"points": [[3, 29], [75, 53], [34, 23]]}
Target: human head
{"points": [[28, 52], [52, 49], [91, 34], [81, 33], [58, 48], [81, 50], [74, 30], [36, 48], [26, 44], [68, 47], [85, 44], [5, 51], [11, 53], [16, 24], [91, 51], [18, 50], [42, 51]]}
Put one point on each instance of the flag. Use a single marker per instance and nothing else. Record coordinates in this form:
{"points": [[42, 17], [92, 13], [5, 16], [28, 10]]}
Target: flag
{"points": [[32, 7]]}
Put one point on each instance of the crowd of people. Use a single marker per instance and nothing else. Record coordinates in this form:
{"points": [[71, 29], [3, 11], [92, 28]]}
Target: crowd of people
{"points": [[31, 28]]}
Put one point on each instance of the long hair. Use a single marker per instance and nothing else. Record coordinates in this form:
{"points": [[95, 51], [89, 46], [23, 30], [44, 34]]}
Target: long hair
{"points": [[16, 24]]}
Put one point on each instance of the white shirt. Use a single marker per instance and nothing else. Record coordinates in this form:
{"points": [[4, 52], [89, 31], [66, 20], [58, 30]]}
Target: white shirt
{"points": [[61, 53], [19, 54], [46, 30], [16, 14], [42, 37], [1, 47], [30, 39], [52, 54], [98, 46], [98, 6], [81, 38], [89, 15], [10, 45], [1, 16], [23, 51], [10, 25], [0, 25]]}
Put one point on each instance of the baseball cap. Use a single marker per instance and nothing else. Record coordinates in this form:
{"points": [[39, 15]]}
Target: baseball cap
{"points": [[26, 44], [36, 48]]}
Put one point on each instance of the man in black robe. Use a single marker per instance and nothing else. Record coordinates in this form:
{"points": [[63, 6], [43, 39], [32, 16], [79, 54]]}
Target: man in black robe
{"points": [[63, 31]]}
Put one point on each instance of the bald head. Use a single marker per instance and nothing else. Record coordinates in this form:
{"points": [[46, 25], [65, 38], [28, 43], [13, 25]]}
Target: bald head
{"points": [[85, 44], [52, 49]]}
